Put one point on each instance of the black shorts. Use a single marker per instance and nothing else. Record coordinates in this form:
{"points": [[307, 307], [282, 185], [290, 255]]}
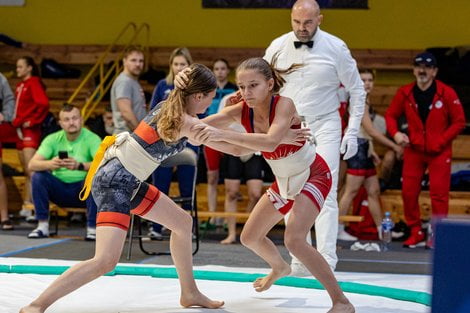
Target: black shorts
{"points": [[234, 168], [361, 164]]}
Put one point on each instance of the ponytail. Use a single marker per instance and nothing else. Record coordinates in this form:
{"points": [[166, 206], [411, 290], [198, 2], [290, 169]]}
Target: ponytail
{"points": [[170, 117], [269, 70]]}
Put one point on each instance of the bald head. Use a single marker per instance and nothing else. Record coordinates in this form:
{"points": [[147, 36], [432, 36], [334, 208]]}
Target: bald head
{"points": [[305, 18], [306, 5]]}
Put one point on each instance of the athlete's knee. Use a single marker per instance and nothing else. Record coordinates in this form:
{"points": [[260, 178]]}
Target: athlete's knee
{"points": [[373, 191], [294, 242], [232, 195], [248, 239], [254, 195], [105, 264], [185, 224], [212, 179]]}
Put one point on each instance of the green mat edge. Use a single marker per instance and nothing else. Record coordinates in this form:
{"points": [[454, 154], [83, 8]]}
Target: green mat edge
{"points": [[168, 272]]}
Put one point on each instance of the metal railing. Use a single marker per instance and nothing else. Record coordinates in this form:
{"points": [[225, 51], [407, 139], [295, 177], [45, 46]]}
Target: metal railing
{"points": [[107, 75]]}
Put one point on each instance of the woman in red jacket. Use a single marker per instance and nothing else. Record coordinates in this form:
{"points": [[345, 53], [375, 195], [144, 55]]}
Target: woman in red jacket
{"points": [[32, 106]]}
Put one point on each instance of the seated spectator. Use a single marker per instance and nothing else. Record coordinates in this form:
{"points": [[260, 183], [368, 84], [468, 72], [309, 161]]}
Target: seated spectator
{"points": [[102, 125], [7, 104], [60, 165]]}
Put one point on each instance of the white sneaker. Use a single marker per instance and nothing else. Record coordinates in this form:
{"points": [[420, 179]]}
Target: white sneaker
{"points": [[372, 246], [299, 270], [154, 235], [343, 235], [90, 234], [26, 212], [358, 246]]}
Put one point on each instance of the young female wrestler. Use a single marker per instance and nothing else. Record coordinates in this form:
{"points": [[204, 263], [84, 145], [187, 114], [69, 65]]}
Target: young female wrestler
{"points": [[361, 167], [119, 187], [303, 179], [32, 106]]}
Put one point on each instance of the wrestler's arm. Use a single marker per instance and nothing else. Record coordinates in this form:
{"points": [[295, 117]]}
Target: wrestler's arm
{"points": [[227, 116], [195, 130], [277, 133]]}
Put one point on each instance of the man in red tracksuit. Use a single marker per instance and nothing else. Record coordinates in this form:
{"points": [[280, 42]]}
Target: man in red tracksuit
{"points": [[435, 117]]}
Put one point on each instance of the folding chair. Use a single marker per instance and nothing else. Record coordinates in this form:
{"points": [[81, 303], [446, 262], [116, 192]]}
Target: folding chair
{"points": [[186, 157]]}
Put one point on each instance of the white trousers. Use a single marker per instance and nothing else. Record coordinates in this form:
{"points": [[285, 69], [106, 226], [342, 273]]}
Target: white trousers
{"points": [[327, 131]]}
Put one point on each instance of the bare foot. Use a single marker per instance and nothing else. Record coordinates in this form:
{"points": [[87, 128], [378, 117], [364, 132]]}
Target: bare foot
{"points": [[30, 309], [228, 241], [199, 300], [264, 283], [342, 307]]}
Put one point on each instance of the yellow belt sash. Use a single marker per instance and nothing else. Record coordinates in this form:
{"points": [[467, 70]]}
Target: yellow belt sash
{"points": [[105, 144]]}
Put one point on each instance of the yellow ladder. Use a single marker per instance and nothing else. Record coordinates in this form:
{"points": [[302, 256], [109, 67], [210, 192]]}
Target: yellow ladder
{"points": [[106, 77]]}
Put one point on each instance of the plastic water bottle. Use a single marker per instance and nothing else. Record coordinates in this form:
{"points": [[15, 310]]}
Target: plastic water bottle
{"points": [[387, 225]]}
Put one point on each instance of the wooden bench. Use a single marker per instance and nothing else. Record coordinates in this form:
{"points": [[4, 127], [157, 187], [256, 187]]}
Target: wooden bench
{"points": [[245, 215], [382, 59]]}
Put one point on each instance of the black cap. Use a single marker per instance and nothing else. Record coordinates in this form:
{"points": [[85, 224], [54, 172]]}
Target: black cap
{"points": [[426, 58]]}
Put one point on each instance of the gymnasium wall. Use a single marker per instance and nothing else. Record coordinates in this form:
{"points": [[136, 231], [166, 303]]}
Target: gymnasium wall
{"points": [[389, 24]]}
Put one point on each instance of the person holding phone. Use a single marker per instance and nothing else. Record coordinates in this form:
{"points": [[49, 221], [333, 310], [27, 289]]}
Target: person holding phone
{"points": [[60, 165]]}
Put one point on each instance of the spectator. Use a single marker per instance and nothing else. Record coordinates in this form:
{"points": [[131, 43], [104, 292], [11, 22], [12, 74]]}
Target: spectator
{"points": [[221, 71], [361, 167], [7, 105], [103, 125], [127, 96], [180, 58], [32, 107], [435, 117], [314, 89], [61, 164], [250, 168]]}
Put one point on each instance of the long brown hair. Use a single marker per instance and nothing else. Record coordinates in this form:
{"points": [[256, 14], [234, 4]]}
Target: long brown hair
{"points": [[170, 118], [269, 70]]}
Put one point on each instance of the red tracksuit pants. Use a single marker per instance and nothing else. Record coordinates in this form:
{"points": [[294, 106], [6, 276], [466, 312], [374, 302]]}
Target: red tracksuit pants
{"points": [[414, 166]]}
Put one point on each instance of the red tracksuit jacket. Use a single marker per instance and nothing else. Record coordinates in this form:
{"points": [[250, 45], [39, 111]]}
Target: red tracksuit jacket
{"points": [[32, 103], [445, 121]]}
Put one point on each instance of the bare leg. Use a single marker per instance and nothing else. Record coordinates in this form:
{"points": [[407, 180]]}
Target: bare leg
{"points": [[167, 213], [255, 189], [373, 196], [25, 156], [3, 196], [351, 188], [109, 243], [212, 182], [343, 166], [388, 162], [254, 236], [232, 186], [300, 222]]}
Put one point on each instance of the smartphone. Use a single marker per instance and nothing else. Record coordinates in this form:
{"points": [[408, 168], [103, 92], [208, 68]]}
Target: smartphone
{"points": [[63, 154]]}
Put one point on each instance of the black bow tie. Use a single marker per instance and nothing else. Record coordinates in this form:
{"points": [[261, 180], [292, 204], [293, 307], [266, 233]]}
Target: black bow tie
{"points": [[298, 44]]}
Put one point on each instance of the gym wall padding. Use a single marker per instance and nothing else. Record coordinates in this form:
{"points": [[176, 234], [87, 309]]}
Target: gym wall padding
{"points": [[397, 24]]}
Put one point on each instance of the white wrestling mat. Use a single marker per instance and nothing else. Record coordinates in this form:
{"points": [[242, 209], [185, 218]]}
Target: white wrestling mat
{"points": [[145, 294]]}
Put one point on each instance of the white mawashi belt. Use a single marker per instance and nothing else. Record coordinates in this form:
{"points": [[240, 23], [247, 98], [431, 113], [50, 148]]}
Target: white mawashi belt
{"points": [[293, 171], [132, 155]]}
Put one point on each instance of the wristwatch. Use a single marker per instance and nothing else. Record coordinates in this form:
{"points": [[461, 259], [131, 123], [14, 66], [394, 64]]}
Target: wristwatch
{"points": [[81, 167]]}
